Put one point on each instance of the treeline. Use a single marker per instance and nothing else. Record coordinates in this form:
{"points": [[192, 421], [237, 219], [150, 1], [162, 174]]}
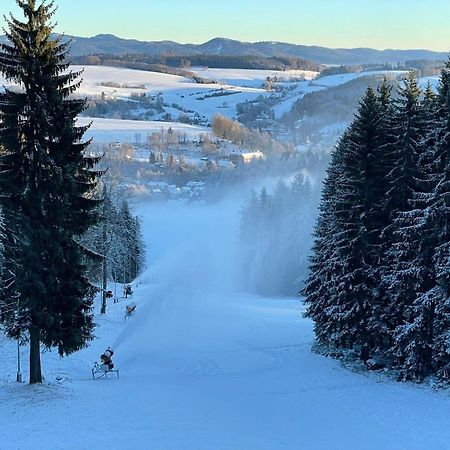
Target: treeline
{"points": [[276, 237], [136, 63], [422, 67], [379, 284], [323, 111], [240, 62], [203, 60], [339, 70], [115, 243]]}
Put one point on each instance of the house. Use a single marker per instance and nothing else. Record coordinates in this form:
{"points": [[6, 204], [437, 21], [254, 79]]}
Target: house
{"points": [[245, 157]]}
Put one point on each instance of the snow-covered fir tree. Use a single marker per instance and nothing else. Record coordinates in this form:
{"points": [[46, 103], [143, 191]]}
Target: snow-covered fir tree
{"points": [[47, 186], [117, 243], [379, 278]]}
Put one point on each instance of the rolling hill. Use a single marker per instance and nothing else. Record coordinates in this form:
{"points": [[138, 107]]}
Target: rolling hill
{"points": [[110, 44]]}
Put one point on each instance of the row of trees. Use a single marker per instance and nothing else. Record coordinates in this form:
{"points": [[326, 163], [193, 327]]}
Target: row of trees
{"points": [[117, 242], [276, 228], [164, 62], [380, 272]]}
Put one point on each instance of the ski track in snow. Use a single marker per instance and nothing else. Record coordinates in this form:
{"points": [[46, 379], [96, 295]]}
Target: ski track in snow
{"points": [[202, 367]]}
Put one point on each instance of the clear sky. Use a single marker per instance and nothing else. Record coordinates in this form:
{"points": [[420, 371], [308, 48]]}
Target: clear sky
{"points": [[379, 24]]}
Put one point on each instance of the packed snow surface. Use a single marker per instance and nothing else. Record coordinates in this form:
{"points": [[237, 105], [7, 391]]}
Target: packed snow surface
{"points": [[204, 367]]}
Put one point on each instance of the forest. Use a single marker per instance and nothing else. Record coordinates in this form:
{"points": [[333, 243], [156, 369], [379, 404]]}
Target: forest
{"points": [[203, 60], [379, 286]]}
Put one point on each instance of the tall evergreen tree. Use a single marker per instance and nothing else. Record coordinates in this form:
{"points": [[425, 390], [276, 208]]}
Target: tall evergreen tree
{"points": [[405, 272], [406, 130], [351, 290], [322, 285], [434, 309], [47, 185], [385, 218]]}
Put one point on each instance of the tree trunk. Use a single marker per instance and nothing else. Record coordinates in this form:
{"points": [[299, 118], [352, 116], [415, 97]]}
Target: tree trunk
{"points": [[35, 355], [104, 286], [365, 352], [105, 273]]}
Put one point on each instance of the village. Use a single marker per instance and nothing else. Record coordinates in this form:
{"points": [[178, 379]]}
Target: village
{"points": [[169, 164]]}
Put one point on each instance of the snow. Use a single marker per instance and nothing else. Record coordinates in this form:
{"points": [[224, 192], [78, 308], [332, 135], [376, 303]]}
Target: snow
{"points": [[336, 80], [113, 130], [434, 81], [251, 77], [303, 88], [205, 367], [94, 76], [182, 91], [233, 86]]}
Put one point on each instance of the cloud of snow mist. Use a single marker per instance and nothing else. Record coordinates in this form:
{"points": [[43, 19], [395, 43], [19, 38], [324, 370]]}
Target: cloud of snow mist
{"points": [[189, 273], [193, 265]]}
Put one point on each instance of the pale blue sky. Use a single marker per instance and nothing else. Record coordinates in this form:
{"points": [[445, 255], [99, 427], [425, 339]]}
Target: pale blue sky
{"points": [[332, 23]]}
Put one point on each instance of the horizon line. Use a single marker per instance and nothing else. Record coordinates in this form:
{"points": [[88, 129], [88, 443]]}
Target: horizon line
{"points": [[251, 42]]}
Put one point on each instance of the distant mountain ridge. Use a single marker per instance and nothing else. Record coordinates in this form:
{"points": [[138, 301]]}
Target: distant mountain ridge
{"points": [[110, 44]]}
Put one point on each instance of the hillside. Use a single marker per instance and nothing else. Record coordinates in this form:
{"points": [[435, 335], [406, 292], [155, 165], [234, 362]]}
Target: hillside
{"points": [[110, 44]]}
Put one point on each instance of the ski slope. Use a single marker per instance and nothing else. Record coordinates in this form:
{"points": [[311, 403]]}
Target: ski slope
{"points": [[204, 367]]}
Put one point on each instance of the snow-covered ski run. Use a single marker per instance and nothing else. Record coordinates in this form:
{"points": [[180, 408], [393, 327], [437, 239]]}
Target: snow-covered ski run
{"points": [[203, 367]]}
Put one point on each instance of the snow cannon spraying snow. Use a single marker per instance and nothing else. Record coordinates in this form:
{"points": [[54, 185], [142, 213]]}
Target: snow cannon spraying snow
{"points": [[106, 365], [129, 309], [106, 359]]}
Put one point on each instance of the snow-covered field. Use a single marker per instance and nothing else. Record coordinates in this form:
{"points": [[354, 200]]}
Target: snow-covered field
{"points": [[434, 81], [204, 367], [112, 130], [252, 77], [233, 86], [174, 89], [238, 85], [336, 80]]}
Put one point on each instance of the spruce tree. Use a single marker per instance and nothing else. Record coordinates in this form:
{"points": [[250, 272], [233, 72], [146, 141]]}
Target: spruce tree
{"points": [[434, 309], [422, 341], [380, 269], [405, 272], [347, 307], [359, 219], [47, 185], [322, 285]]}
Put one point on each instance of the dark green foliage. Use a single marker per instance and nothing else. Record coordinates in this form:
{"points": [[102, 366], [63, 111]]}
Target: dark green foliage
{"points": [[356, 206], [47, 185], [164, 62], [117, 239], [379, 280]]}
